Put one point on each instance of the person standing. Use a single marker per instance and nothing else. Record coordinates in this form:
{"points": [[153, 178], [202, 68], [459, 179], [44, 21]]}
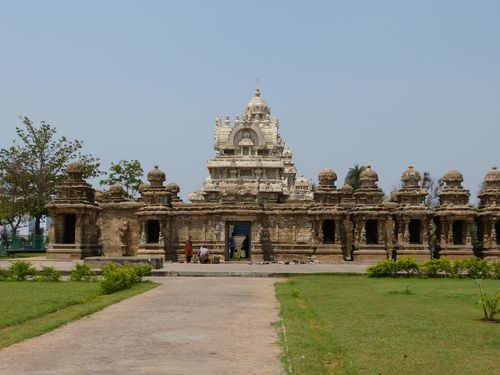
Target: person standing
{"points": [[245, 246], [188, 249], [232, 245]]}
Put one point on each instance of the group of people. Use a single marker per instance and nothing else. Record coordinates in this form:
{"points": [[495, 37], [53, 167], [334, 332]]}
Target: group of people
{"points": [[245, 246], [204, 255]]}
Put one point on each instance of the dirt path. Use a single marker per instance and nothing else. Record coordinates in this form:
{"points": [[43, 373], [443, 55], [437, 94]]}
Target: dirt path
{"points": [[185, 326]]}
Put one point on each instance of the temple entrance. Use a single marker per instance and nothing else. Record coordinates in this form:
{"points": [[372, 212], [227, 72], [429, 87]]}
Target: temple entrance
{"points": [[414, 229], [458, 232], [328, 228], [242, 234], [152, 231], [69, 228], [371, 228]]}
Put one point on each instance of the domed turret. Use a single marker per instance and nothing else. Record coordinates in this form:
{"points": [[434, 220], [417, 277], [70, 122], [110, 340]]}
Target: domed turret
{"points": [[156, 177], [287, 153], [410, 178], [368, 177], [347, 189], [116, 190], [327, 178], [76, 170], [492, 177], [257, 107], [453, 178]]}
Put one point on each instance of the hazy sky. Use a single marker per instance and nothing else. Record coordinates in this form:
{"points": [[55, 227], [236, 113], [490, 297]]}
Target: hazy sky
{"points": [[386, 83]]}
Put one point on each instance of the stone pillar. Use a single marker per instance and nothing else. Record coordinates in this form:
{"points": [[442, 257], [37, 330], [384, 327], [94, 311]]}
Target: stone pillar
{"points": [[406, 234], [468, 237], [363, 232], [338, 232], [381, 231], [449, 233]]}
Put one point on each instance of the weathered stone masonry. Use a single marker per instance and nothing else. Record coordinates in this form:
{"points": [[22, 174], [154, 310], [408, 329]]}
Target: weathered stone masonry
{"points": [[253, 189]]}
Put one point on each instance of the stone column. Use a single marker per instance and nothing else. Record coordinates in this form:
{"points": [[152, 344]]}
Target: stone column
{"points": [[468, 237], [449, 233], [143, 233], [381, 231], [78, 229], [406, 234], [338, 232]]}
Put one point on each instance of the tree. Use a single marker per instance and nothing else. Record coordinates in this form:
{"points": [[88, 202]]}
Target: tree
{"points": [[433, 187], [12, 204], [353, 176], [126, 173], [40, 162]]}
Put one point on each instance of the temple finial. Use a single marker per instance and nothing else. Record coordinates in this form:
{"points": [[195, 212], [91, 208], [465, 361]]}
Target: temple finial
{"points": [[257, 89]]}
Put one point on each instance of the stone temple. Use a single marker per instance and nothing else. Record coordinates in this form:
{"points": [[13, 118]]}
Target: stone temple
{"points": [[253, 189]]}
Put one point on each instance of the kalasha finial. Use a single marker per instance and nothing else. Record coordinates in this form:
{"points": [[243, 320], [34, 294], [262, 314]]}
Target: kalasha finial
{"points": [[257, 92]]}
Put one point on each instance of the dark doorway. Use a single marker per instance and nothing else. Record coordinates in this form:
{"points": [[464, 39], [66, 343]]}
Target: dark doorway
{"points": [[328, 231], [242, 234], [414, 228], [152, 231], [497, 230], [69, 228], [371, 229], [458, 232]]}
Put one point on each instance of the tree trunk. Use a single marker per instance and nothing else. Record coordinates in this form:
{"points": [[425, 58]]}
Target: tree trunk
{"points": [[38, 231]]}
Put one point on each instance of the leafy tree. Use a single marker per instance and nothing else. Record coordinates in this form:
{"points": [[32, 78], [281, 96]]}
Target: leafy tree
{"points": [[433, 187], [12, 203], [126, 173], [35, 163], [353, 176]]}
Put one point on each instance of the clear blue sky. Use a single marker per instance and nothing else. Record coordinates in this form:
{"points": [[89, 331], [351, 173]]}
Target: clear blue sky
{"points": [[386, 83]]}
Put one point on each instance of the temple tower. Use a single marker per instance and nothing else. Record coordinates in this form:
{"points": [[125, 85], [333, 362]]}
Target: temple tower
{"points": [[154, 218], [370, 217], [74, 233], [488, 230], [412, 218], [454, 219]]}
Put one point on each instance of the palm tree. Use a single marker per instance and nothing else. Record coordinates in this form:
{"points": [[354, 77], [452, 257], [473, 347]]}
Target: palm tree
{"points": [[353, 175]]}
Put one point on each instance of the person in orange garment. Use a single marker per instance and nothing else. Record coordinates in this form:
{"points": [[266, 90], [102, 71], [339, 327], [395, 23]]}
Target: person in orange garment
{"points": [[188, 249]]}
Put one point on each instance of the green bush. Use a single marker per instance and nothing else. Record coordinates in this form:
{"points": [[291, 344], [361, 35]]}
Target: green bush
{"points": [[384, 268], [117, 277], [82, 272], [49, 274], [407, 265], [4, 274], [435, 267], [21, 270], [143, 270], [495, 270], [472, 268]]}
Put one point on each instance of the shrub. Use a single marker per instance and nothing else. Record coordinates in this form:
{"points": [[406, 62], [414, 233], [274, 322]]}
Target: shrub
{"points": [[385, 268], [490, 303], [495, 270], [117, 278], [408, 265], [82, 272], [434, 267], [21, 270], [49, 274], [143, 270], [4, 274], [472, 268]]}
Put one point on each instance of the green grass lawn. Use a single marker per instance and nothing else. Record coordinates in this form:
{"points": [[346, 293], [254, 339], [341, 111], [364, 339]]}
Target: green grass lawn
{"points": [[31, 308], [357, 325]]}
